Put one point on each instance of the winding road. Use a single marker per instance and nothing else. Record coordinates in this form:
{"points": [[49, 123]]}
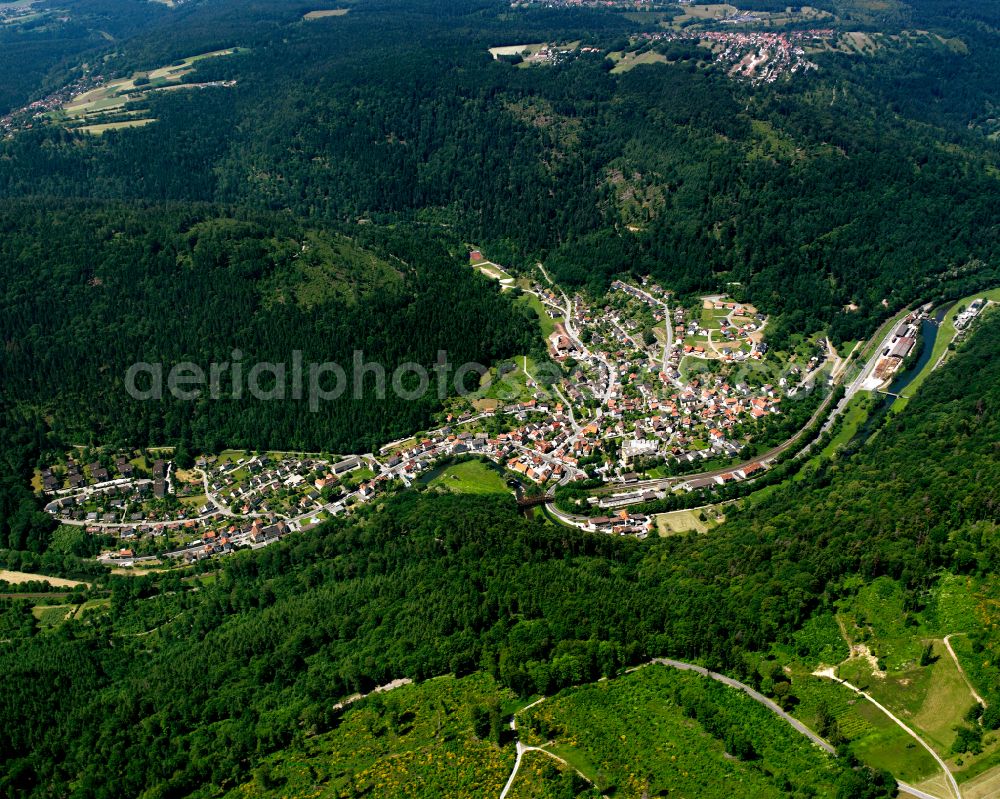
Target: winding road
{"points": [[521, 748], [797, 725], [681, 665], [755, 695], [830, 674], [954, 657]]}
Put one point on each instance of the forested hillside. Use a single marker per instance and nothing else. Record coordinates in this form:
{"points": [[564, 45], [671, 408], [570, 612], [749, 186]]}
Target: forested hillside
{"points": [[318, 193], [38, 49], [809, 195], [175, 691], [109, 285], [89, 289]]}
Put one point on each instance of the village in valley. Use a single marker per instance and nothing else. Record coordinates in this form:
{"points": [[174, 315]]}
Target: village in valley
{"points": [[641, 397], [756, 56], [636, 387], [753, 46], [645, 388]]}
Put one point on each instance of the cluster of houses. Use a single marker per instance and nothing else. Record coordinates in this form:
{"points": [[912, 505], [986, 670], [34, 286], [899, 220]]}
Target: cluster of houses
{"points": [[262, 484], [212, 539], [622, 523], [227, 539], [24, 118], [71, 475], [76, 491], [650, 409], [539, 448], [758, 56]]}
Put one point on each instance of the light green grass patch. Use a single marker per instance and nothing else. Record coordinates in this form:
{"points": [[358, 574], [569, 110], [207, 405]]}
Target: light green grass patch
{"points": [[873, 737], [686, 521], [52, 616], [630, 61], [330, 268], [855, 415], [768, 142], [546, 323], [469, 477]]}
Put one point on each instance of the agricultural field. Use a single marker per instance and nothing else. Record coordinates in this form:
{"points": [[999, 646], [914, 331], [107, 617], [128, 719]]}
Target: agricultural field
{"points": [[983, 786], [414, 741], [325, 13], [796, 15], [516, 49], [658, 730], [19, 578], [123, 102], [97, 130], [631, 60], [706, 12], [679, 522], [468, 477]]}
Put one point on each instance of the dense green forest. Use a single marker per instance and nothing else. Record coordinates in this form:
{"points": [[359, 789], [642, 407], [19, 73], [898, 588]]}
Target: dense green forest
{"points": [[323, 202], [810, 194], [176, 691], [112, 285]]}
